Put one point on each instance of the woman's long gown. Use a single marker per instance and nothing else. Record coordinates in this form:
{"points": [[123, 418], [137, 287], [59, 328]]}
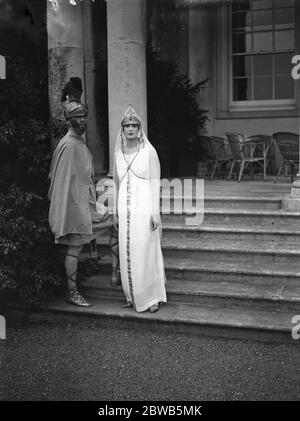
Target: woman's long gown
{"points": [[141, 259]]}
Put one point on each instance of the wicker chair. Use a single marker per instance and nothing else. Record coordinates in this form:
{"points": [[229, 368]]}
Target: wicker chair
{"points": [[267, 140], [217, 151], [288, 145], [246, 152]]}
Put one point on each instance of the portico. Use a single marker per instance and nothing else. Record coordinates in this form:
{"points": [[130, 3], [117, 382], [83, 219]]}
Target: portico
{"points": [[73, 50], [87, 38]]}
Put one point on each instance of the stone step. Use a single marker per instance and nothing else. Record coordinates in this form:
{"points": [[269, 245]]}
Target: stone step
{"points": [[224, 294], [187, 270], [235, 322], [219, 233], [224, 233], [250, 252], [235, 217], [224, 202], [256, 253]]}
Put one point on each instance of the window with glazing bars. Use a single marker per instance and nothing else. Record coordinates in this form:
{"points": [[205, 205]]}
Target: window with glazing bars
{"points": [[263, 43]]}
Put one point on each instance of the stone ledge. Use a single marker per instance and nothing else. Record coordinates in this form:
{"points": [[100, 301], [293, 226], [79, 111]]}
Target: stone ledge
{"points": [[173, 317]]}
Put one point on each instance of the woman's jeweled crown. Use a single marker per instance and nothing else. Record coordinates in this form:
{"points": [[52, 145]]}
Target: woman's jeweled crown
{"points": [[130, 117]]}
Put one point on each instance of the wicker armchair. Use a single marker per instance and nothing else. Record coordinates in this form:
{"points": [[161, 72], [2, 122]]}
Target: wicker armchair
{"points": [[216, 150], [267, 140], [288, 145], [247, 152]]}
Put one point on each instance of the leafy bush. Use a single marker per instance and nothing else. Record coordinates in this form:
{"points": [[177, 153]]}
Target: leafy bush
{"points": [[174, 115], [29, 262]]}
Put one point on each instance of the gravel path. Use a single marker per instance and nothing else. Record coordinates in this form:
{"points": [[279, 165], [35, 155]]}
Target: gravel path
{"points": [[75, 359]]}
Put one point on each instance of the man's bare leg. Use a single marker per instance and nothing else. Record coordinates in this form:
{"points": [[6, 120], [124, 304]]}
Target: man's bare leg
{"points": [[114, 248], [71, 266]]}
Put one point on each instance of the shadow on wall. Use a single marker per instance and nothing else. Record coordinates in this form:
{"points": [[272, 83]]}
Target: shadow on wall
{"points": [[99, 32]]}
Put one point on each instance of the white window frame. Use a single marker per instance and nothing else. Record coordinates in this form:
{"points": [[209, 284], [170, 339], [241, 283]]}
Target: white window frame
{"points": [[270, 104], [225, 107]]}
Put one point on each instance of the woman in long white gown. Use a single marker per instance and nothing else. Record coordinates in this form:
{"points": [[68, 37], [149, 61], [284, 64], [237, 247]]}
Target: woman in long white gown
{"points": [[137, 179]]}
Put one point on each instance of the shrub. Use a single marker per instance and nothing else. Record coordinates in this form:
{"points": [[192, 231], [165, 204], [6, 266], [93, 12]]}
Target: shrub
{"points": [[29, 261], [174, 115]]}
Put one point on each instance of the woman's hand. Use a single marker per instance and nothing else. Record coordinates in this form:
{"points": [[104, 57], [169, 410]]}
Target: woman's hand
{"points": [[153, 223]]}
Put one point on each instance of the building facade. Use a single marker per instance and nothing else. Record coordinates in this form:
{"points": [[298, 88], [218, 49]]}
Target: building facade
{"points": [[244, 49]]}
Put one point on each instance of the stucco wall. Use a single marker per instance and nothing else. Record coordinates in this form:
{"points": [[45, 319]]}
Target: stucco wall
{"points": [[256, 126], [202, 62]]}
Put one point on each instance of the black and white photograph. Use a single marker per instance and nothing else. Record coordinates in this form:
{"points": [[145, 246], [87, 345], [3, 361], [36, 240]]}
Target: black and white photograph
{"points": [[150, 204]]}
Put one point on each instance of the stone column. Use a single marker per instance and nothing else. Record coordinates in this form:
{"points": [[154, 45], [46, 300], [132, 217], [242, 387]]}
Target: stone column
{"points": [[126, 35], [65, 49]]}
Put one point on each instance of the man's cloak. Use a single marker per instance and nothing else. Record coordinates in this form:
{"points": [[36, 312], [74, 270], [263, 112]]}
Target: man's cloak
{"points": [[70, 173]]}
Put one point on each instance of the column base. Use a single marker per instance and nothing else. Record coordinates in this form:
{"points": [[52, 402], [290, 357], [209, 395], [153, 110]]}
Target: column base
{"points": [[292, 202]]}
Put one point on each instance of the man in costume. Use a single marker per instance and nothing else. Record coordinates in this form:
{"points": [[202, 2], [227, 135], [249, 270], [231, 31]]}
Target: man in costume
{"points": [[73, 215]]}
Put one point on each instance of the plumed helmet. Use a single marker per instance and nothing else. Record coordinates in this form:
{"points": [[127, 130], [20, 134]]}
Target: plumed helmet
{"points": [[73, 90], [75, 109]]}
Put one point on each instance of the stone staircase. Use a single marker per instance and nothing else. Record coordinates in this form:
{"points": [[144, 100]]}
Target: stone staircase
{"points": [[236, 275]]}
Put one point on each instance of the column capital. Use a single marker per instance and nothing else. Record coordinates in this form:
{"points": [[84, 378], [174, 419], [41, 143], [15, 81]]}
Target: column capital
{"points": [[126, 21], [64, 24]]}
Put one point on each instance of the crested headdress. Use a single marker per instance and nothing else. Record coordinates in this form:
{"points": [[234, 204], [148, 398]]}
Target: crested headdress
{"points": [[73, 91]]}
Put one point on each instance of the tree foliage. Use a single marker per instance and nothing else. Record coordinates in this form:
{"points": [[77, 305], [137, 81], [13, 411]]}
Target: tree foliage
{"points": [[28, 258], [174, 115]]}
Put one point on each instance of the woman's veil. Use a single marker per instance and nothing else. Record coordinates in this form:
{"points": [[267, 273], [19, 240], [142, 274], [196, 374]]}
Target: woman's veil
{"points": [[153, 162]]}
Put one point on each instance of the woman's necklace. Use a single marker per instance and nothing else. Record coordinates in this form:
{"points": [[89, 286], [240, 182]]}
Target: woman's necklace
{"points": [[129, 163]]}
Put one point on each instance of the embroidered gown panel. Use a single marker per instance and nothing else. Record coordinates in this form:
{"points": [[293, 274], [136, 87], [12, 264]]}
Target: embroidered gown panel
{"points": [[141, 259]]}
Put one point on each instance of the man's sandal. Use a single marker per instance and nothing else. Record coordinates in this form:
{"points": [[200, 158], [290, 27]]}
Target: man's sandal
{"points": [[73, 295]]}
